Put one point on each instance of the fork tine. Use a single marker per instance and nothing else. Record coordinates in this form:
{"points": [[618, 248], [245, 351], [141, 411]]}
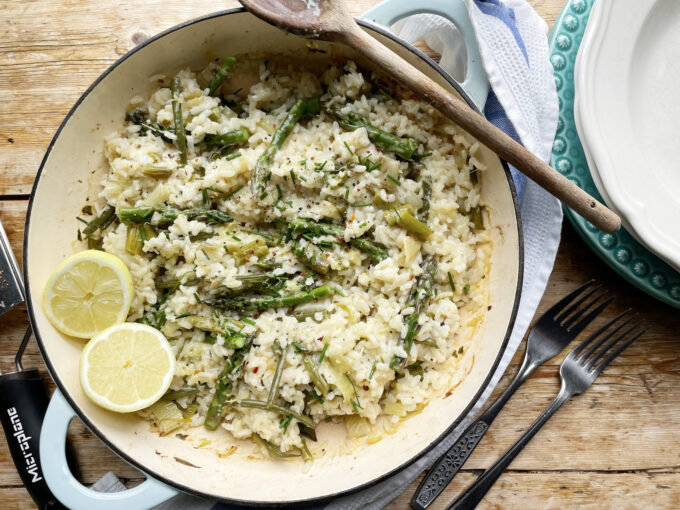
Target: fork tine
{"points": [[611, 333], [591, 362], [575, 352], [619, 349], [561, 310], [555, 309], [581, 325], [568, 321]]}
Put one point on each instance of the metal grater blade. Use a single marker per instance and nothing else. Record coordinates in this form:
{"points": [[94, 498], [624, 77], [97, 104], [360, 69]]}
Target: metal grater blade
{"points": [[11, 286]]}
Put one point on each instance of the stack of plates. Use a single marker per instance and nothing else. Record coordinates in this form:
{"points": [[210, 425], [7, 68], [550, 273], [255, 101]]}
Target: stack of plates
{"points": [[627, 113]]}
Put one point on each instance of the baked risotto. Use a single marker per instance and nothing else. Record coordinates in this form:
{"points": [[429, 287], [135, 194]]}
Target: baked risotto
{"points": [[311, 243]]}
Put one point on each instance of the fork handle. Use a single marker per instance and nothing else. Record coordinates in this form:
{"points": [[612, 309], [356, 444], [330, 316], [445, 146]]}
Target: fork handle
{"points": [[476, 492], [448, 465]]}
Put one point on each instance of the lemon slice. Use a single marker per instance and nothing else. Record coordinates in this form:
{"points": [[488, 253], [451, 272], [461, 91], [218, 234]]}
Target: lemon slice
{"points": [[87, 293], [127, 367]]}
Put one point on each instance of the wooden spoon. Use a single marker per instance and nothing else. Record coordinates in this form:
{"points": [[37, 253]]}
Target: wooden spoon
{"points": [[329, 20]]}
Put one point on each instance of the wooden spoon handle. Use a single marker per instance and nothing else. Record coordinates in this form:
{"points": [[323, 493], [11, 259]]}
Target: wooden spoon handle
{"points": [[480, 128]]}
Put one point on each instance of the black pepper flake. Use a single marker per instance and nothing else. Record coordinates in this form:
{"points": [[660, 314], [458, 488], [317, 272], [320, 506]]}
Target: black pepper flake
{"points": [[10, 140]]}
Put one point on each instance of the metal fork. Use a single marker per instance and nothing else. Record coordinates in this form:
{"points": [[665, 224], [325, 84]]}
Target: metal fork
{"points": [[578, 371], [552, 332]]}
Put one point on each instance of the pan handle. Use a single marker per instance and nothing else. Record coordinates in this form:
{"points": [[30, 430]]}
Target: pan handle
{"points": [[70, 492], [387, 13]]}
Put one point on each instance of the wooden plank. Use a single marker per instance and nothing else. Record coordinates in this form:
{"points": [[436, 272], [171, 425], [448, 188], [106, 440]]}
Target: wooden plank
{"points": [[560, 490]]}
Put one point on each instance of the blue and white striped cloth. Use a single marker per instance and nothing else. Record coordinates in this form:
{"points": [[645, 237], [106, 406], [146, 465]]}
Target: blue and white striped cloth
{"points": [[523, 102]]}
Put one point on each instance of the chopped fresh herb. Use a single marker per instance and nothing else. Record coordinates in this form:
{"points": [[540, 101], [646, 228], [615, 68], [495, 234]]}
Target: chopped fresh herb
{"points": [[292, 177], [299, 347], [204, 253], [303, 162], [453, 289], [315, 396], [348, 149], [421, 156], [233, 156], [346, 193], [466, 289], [182, 315], [233, 192], [356, 404], [198, 299], [323, 352], [357, 204], [372, 373], [302, 178], [235, 238], [204, 194], [80, 219], [285, 421], [394, 180], [362, 225]]}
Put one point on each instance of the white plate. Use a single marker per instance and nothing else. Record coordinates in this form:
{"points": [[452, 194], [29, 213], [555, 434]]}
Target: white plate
{"points": [[627, 82]]}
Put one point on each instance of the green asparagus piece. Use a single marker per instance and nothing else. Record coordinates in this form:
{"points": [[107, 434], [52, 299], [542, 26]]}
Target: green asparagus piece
{"points": [[283, 411], [262, 283], [237, 137], [178, 120], [132, 215], [418, 298], [138, 117], [427, 197], [477, 217], [101, 221], [311, 256], [306, 454], [262, 172], [403, 147], [404, 217], [274, 391], [272, 448], [314, 228], [224, 385], [181, 393], [312, 368], [221, 75], [246, 303]]}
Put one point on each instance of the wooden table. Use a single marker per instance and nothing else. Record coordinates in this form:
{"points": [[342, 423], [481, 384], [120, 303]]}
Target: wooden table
{"points": [[617, 446]]}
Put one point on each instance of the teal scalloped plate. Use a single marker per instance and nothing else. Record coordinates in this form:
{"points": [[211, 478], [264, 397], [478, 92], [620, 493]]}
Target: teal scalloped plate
{"points": [[619, 250]]}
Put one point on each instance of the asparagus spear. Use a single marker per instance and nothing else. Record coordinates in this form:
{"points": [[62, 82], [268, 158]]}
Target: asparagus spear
{"points": [[404, 147], [427, 197], [178, 120], [274, 391], [272, 448], [132, 215], [283, 411], [221, 75], [311, 256], [245, 303], [100, 222], [419, 296], [263, 283], [138, 117], [224, 385], [314, 228], [236, 137], [262, 173], [312, 368]]}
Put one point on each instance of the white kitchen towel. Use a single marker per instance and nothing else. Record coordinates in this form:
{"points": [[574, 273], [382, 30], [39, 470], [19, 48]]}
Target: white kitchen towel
{"points": [[523, 102]]}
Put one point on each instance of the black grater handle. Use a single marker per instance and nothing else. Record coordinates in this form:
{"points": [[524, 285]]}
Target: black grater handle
{"points": [[23, 403]]}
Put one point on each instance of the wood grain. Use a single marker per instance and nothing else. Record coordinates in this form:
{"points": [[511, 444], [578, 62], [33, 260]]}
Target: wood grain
{"points": [[613, 447]]}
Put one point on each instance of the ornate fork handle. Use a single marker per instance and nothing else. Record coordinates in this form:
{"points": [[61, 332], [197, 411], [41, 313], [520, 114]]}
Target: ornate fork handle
{"points": [[447, 466]]}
